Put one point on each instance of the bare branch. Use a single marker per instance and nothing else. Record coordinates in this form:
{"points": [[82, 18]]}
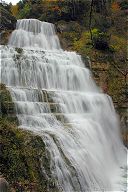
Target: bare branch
{"points": [[119, 70]]}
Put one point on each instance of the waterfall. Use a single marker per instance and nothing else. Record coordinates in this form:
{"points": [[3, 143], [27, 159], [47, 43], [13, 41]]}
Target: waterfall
{"points": [[35, 34], [56, 98]]}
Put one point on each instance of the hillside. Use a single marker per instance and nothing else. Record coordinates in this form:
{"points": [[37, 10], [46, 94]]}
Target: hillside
{"points": [[99, 33]]}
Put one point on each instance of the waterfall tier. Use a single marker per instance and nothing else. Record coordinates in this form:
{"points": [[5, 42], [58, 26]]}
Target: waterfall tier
{"points": [[56, 98], [35, 34]]}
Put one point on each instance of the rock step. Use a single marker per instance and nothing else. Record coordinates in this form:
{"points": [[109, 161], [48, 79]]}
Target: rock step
{"points": [[53, 91], [59, 116], [43, 97], [51, 96], [4, 95], [46, 54], [69, 125], [10, 108]]}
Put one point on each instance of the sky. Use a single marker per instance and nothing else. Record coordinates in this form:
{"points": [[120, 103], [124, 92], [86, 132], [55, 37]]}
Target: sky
{"points": [[12, 1]]}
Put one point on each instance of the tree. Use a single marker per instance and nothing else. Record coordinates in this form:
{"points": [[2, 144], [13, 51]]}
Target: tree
{"points": [[14, 10], [115, 6]]}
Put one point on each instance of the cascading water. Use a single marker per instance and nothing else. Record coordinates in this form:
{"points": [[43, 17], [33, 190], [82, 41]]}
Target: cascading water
{"points": [[84, 144], [34, 33]]}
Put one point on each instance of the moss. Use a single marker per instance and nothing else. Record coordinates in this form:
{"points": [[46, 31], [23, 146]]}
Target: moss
{"points": [[4, 93], [4, 38], [115, 85], [22, 156], [7, 106]]}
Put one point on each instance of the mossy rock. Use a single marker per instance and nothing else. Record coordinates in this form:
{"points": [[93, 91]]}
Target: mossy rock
{"points": [[19, 50], [4, 37], [4, 94], [7, 106], [22, 157]]}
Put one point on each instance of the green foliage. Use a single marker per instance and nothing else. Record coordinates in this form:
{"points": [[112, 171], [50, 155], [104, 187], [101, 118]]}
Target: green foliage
{"points": [[84, 44], [21, 4], [99, 39], [5, 6], [22, 153], [115, 85], [22, 156], [24, 13], [53, 11], [4, 98], [124, 5], [118, 43]]}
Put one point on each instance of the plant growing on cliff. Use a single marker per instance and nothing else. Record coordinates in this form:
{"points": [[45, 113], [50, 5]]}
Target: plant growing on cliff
{"points": [[100, 39]]}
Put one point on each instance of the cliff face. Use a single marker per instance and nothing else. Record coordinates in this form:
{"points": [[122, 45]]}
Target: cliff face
{"points": [[112, 83], [108, 67]]}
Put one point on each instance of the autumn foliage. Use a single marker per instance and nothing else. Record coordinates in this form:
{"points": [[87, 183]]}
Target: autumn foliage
{"points": [[14, 10], [115, 6]]}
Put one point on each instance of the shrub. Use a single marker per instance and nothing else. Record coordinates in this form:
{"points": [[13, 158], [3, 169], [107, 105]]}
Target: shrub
{"points": [[124, 5], [100, 39], [24, 13]]}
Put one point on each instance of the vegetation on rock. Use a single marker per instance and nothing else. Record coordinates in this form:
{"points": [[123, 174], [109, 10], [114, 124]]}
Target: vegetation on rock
{"points": [[104, 41], [23, 155]]}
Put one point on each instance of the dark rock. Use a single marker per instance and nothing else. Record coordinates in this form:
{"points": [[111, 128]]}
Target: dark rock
{"points": [[101, 45], [63, 26]]}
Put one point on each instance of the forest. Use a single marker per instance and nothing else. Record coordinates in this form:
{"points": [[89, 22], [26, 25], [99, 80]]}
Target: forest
{"points": [[96, 30]]}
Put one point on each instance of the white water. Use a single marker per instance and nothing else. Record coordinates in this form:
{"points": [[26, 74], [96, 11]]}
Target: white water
{"points": [[86, 149], [34, 33]]}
